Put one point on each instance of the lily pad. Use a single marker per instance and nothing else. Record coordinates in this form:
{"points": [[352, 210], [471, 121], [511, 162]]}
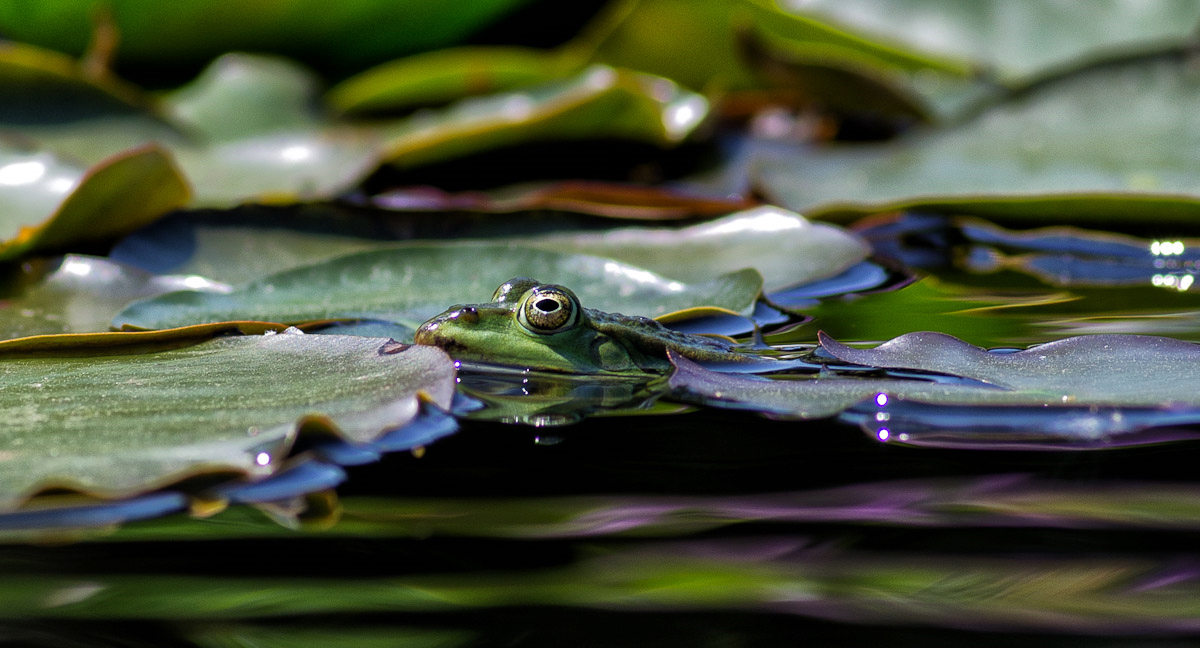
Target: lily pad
{"points": [[252, 127], [410, 283], [117, 424], [783, 246], [702, 51], [598, 102], [47, 204], [258, 132], [1110, 143], [1101, 370], [1016, 39], [445, 75], [82, 294], [709, 51], [1092, 369]]}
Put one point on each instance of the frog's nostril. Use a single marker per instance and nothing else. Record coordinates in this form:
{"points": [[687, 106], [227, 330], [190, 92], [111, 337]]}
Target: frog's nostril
{"points": [[467, 314]]}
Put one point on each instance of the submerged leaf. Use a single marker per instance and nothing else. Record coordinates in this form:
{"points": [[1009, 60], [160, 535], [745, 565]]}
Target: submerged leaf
{"points": [[410, 283], [117, 424]]}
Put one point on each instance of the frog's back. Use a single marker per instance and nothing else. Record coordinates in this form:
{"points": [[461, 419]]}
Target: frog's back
{"points": [[651, 338]]}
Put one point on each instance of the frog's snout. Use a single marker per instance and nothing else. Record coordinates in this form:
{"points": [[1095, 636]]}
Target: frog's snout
{"points": [[465, 314], [427, 332]]}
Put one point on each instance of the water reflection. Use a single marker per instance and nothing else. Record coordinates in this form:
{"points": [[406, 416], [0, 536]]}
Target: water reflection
{"points": [[540, 399]]}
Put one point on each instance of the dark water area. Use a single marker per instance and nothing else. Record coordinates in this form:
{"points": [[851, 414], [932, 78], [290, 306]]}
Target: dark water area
{"points": [[669, 523]]}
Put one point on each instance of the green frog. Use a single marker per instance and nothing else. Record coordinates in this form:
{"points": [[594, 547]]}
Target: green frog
{"points": [[543, 327]]}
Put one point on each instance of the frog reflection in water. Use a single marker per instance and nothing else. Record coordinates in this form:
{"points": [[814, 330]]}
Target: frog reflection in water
{"points": [[543, 327]]}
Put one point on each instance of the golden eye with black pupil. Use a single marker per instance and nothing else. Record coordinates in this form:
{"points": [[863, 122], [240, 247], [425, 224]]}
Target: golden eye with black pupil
{"points": [[548, 309]]}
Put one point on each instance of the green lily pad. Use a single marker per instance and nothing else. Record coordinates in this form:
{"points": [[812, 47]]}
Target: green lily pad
{"points": [[258, 132], [443, 76], [720, 46], [47, 204], [600, 101], [1113, 142], [1092, 369], [783, 246], [135, 419], [702, 51], [1016, 39], [82, 294], [242, 95], [252, 128], [410, 283], [1097, 370], [249, 127]]}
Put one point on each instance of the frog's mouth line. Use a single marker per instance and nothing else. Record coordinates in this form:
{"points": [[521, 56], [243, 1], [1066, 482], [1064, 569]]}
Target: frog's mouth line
{"points": [[449, 345]]}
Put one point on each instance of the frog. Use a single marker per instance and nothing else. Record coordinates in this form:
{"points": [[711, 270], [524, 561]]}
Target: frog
{"points": [[543, 327]]}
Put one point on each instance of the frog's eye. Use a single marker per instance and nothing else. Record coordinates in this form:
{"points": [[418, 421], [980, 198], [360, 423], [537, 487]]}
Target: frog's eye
{"points": [[549, 309]]}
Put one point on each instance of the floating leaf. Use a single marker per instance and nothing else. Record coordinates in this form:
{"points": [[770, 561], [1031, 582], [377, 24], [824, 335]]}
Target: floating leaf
{"points": [[1035, 37], [47, 205], [260, 134], [1093, 369], [410, 283], [443, 76], [248, 127], [1104, 145], [702, 51], [708, 51], [783, 246], [82, 294], [240, 95], [134, 419], [598, 102], [1076, 386]]}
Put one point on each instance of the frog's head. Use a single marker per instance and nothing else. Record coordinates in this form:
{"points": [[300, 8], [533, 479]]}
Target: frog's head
{"points": [[527, 324]]}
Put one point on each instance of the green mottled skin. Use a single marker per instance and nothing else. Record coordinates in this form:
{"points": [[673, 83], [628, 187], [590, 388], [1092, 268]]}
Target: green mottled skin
{"points": [[598, 342]]}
